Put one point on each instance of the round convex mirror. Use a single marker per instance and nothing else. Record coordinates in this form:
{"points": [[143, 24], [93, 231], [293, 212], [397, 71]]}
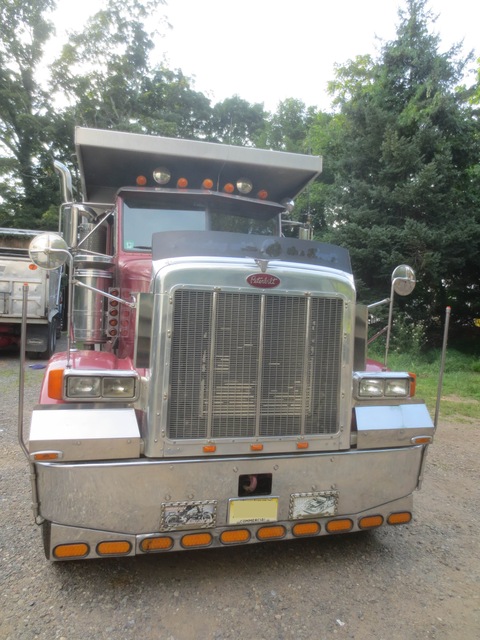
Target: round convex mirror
{"points": [[403, 279], [48, 251]]}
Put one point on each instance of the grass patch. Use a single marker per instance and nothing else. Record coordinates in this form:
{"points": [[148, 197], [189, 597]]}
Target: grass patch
{"points": [[461, 383]]}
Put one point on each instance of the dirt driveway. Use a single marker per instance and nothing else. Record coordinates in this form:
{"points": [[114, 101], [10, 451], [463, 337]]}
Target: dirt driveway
{"points": [[402, 583]]}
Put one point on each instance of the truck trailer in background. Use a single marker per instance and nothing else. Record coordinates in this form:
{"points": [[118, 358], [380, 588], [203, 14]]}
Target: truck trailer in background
{"points": [[44, 299]]}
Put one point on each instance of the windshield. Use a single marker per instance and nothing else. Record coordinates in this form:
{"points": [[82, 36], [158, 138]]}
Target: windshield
{"points": [[142, 217]]}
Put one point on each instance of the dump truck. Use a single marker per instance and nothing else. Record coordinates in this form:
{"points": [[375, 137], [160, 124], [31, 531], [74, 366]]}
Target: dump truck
{"points": [[215, 389], [44, 313]]}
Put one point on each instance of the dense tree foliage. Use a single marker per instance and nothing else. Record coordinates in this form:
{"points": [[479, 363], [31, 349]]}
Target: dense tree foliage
{"points": [[402, 156], [401, 147], [25, 112]]}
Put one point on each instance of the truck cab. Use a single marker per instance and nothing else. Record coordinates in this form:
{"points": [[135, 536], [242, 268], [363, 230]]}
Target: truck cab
{"points": [[215, 387]]}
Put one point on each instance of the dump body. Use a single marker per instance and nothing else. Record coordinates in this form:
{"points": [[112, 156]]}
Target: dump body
{"points": [[218, 392], [44, 289]]}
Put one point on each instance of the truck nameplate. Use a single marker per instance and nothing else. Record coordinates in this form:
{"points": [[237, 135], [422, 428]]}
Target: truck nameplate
{"points": [[189, 515], [318, 504], [253, 510], [263, 280]]}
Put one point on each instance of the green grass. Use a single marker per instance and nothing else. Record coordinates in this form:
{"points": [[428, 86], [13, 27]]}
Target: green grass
{"points": [[460, 399]]}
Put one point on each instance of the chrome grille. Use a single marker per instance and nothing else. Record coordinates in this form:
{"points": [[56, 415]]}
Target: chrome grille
{"points": [[246, 365]]}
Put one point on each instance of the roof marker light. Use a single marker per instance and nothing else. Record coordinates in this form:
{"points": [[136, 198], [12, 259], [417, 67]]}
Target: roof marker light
{"points": [[244, 185], [182, 183], [229, 188], [141, 181], [262, 194], [207, 184], [162, 175]]}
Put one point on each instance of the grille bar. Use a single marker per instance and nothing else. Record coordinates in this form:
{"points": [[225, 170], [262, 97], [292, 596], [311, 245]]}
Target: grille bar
{"points": [[247, 365]]}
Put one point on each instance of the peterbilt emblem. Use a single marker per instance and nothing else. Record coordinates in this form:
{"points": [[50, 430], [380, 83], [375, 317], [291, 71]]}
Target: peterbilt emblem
{"points": [[263, 280]]}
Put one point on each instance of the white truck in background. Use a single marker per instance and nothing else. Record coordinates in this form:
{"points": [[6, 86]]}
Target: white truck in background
{"points": [[44, 296]]}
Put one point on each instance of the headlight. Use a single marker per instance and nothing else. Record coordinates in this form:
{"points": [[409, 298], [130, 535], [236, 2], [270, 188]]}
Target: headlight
{"points": [[97, 387], [371, 388], [387, 385], [118, 388], [84, 386], [397, 388]]}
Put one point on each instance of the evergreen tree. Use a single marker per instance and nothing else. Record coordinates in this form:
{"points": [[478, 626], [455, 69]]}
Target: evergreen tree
{"points": [[402, 156]]}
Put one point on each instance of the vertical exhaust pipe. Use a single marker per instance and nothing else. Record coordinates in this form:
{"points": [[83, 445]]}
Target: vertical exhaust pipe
{"points": [[66, 178]]}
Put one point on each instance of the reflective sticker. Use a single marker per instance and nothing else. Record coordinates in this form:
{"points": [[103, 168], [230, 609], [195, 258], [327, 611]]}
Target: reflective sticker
{"points": [[317, 504], [189, 515]]}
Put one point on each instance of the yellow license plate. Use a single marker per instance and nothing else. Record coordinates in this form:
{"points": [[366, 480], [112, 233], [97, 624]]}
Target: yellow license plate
{"points": [[253, 511]]}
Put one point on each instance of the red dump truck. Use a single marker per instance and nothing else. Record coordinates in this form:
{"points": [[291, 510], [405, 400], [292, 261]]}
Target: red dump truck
{"points": [[215, 389]]}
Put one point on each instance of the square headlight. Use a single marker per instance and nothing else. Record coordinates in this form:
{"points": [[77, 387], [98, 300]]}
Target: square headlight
{"points": [[119, 387], [397, 387], [83, 387], [371, 387]]}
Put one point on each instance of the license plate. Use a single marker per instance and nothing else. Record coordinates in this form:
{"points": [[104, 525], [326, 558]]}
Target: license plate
{"points": [[253, 510]]}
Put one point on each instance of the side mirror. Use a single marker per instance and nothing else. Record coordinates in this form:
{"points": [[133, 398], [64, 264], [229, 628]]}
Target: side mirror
{"points": [[48, 251], [403, 280]]}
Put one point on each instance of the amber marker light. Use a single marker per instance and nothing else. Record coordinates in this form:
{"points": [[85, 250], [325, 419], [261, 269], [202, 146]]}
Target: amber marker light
{"points": [[302, 445], [306, 529], [271, 533], [197, 540], [141, 181], [55, 384], [47, 456], [207, 184], [32, 267], [209, 448], [235, 536], [182, 183], [263, 195], [401, 517], [413, 383], [336, 526], [75, 550], [256, 447], [161, 543], [229, 188], [114, 548], [369, 522], [421, 440]]}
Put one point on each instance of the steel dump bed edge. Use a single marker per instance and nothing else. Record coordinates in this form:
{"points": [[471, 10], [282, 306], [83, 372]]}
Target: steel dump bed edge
{"points": [[109, 159]]}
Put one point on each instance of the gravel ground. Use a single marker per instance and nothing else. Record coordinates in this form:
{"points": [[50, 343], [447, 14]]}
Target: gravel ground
{"points": [[407, 583]]}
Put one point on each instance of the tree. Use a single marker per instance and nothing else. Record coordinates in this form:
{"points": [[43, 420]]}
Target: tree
{"points": [[235, 121], [289, 126], [26, 189], [401, 157], [107, 74]]}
